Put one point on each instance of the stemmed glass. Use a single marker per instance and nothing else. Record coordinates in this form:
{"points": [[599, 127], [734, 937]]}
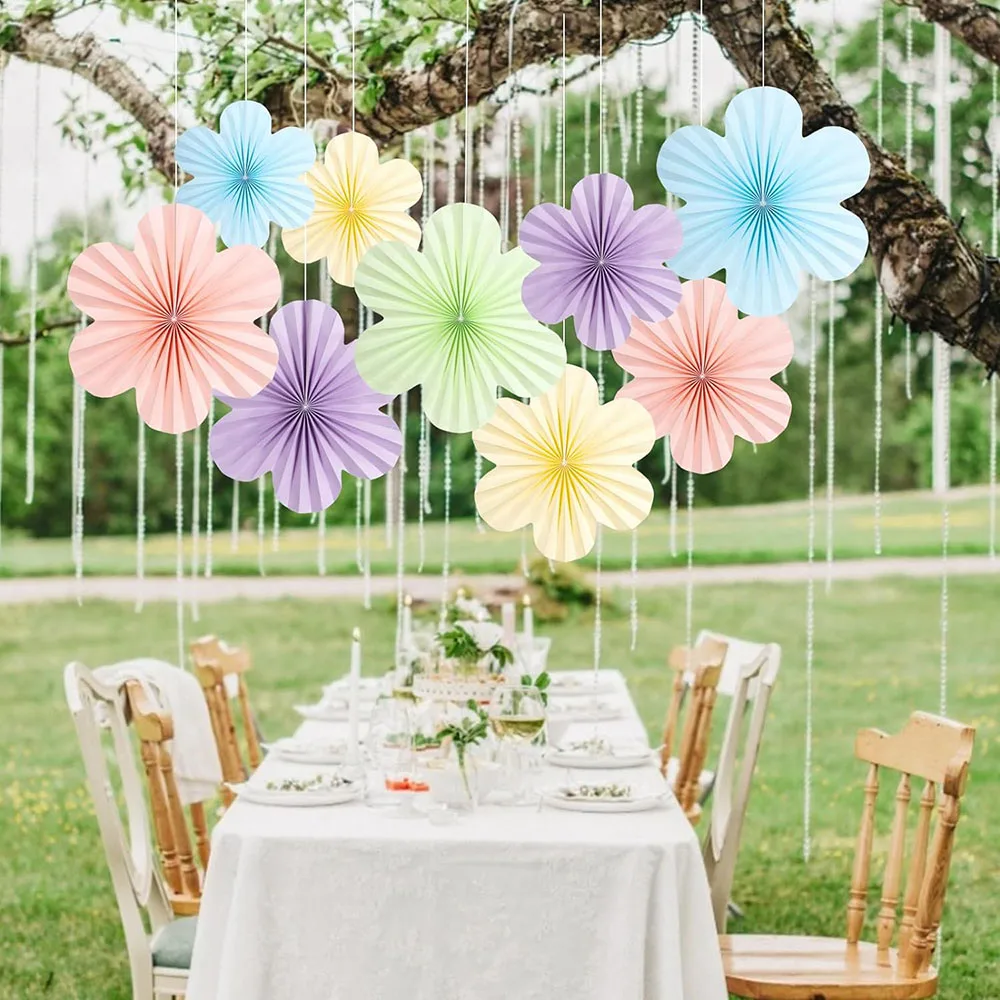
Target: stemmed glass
{"points": [[517, 715], [390, 748]]}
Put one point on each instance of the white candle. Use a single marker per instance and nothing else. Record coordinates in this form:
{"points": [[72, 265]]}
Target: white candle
{"points": [[354, 705], [508, 615], [529, 629], [407, 631]]}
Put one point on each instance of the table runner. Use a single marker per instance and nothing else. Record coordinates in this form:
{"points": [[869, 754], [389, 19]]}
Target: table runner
{"points": [[352, 903]]}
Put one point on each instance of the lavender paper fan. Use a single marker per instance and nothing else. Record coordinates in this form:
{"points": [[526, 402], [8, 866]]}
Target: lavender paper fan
{"points": [[314, 421], [602, 261]]}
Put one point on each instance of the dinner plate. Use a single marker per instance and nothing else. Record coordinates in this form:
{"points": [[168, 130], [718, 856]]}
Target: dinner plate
{"points": [[340, 691], [335, 712], [304, 752], [579, 685], [638, 804], [258, 795], [620, 759], [589, 712]]}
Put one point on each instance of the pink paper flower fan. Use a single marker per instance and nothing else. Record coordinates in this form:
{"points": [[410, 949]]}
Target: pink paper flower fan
{"points": [[704, 375], [173, 318]]}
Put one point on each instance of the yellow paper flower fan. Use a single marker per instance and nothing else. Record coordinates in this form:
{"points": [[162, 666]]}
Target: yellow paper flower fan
{"points": [[564, 463], [359, 203]]}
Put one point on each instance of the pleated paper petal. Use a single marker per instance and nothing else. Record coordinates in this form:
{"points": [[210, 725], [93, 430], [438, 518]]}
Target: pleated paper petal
{"points": [[763, 202], [174, 319], [704, 375], [564, 463], [454, 321], [316, 419], [602, 262], [245, 178], [359, 204]]}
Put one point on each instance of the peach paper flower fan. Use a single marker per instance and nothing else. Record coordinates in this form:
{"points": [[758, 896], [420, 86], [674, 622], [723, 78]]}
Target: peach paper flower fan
{"points": [[173, 318], [704, 375]]}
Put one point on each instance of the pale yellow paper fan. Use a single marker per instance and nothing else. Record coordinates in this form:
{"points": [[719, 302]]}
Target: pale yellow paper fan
{"points": [[359, 203], [564, 463]]}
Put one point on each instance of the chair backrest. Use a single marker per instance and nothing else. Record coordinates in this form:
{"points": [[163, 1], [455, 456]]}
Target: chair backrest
{"points": [[128, 847], [733, 779], [696, 674], [937, 750], [154, 730], [221, 670]]}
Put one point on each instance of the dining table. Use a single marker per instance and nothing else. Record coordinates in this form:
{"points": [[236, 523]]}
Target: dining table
{"points": [[357, 902]]}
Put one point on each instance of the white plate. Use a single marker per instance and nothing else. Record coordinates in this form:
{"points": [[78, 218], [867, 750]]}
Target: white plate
{"points": [[336, 712], [639, 804], [585, 712], [578, 685], [303, 752], [340, 691], [622, 758], [261, 796]]}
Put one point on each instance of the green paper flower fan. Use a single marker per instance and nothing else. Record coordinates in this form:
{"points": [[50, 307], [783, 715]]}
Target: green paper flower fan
{"points": [[454, 321]]}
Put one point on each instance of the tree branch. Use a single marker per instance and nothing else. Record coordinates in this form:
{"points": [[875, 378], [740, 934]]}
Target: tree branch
{"points": [[20, 339], [35, 39], [975, 24], [417, 97], [932, 277]]}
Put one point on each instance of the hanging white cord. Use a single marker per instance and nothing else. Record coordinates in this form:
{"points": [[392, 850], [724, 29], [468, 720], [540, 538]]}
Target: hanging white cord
{"points": [[401, 521], [640, 97], [209, 492], [179, 520], [831, 431], [994, 249], [446, 548], [689, 582], [467, 165], [908, 154], [367, 578], [80, 396], [879, 307], [234, 519], [3, 106], [810, 582], [195, 520], [29, 458], [140, 516]]}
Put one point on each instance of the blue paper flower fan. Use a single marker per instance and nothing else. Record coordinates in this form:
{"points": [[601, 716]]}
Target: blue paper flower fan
{"points": [[763, 202], [245, 177]]}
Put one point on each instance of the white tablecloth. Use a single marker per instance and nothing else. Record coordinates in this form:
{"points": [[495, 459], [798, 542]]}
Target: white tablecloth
{"points": [[352, 903]]}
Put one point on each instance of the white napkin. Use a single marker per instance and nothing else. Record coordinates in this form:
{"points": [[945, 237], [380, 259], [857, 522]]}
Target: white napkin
{"points": [[193, 749]]}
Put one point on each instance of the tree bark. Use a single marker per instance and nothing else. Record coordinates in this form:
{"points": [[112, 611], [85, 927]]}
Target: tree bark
{"points": [[932, 277]]}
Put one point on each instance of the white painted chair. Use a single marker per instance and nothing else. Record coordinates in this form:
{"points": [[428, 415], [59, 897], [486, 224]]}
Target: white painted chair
{"points": [[158, 958], [752, 684]]}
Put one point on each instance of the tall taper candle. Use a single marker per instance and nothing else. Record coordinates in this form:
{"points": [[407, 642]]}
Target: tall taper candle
{"points": [[529, 628], [407, 622], [508, 620], [354, 707]]}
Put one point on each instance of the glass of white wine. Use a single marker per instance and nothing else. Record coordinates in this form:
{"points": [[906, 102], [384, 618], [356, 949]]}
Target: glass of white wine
{"points": [[517, 715]]}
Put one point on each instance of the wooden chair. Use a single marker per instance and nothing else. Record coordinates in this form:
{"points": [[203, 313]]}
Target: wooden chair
{"points": [[815, 968], [752, 695], [154, 730], [158, 943], [221, 670], [696, 676]]}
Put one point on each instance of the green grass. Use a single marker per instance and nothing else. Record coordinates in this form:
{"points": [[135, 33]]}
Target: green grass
{"points": [[876, 661], [911, 525]]}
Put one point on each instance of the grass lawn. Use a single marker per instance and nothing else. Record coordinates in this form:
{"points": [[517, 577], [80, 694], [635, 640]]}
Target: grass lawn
{"points": [[876, 660], [911, 525]]}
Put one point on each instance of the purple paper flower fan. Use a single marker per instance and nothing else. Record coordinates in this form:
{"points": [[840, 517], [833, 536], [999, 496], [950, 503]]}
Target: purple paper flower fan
{"points": [[314, 421], [602, 262]]}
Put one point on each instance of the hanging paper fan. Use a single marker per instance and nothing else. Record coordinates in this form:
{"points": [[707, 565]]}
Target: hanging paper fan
{"points": [[564, 463], [763, 202], [316, 419], [602, 262], [704, 375], [359, 204], [244, 177], [174, 318], [454, 321]]}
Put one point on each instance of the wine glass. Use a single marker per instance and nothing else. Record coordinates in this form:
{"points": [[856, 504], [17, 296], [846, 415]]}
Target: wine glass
{"points": [[517, 715], [390, 746]]}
